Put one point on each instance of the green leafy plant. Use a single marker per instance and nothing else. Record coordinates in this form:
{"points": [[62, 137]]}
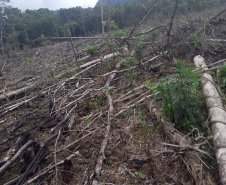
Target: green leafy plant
{"points": [[111, 43], [222, 77], [91, 50], [30, 60], [109, 89], [126, 114], [138, 174], [88, 121], [130, 74], [196, 38], [120, 33], [146, 128], [180, 101], [69, 74], [109, 162], [152, 36], [50, 70], [138, 49]]}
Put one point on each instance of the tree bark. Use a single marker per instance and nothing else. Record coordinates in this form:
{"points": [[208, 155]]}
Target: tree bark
{"points": [[13, 94], [102, 16], [217, 116]]}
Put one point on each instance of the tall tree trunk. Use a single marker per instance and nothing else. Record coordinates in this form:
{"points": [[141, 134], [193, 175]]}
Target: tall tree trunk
{"points": [[109, 17], [102, 17]]}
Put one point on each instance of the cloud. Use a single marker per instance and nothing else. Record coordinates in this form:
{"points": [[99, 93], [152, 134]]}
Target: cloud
{"points": [[51, 4]]}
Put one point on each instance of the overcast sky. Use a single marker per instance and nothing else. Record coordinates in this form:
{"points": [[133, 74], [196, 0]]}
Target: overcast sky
{"points": [[51, 4]]}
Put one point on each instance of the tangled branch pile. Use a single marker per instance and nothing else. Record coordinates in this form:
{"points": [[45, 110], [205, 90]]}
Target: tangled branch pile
{"points": [[96, 121]]}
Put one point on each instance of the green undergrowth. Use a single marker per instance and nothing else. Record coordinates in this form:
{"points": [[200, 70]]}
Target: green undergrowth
{"points": [[91, 50], [222, 77], [180, 99], [69, 73], [130, 74]]}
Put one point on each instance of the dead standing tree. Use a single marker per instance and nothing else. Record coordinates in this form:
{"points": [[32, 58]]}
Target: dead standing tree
{"points": [[171, 23]]}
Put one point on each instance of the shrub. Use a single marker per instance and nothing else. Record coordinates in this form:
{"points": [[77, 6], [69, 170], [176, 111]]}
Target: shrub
{"points": [[138, 50], [222, 77], [180, 101], [91, 49], [119, 33], [130, 74]]}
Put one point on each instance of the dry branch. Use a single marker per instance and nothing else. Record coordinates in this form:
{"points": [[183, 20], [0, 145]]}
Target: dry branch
{"points": [[206, 69], [102, 157], [171, 22], [45, 171], [36, 160], [216, 40], [218, 15], [91, 38], [16, 156], [92, 63], [12, 151], [130, 33], [149, 31], [73, 47]]}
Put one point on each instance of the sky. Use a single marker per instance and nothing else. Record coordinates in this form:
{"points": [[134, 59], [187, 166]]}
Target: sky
{"points": [[51, 4]]}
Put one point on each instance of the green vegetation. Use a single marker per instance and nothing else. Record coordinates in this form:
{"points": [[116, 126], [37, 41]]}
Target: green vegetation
{"points": [[222, 77], [91, 50], [138, 49], [30, 60], [111, 43], [32, 27], [88, 121], [146, 128], [92, 104], [109, 89], [69, 73], [196, 38], [126, 114], [130, 74], [139, 174], [120, 33], [180, 100]]}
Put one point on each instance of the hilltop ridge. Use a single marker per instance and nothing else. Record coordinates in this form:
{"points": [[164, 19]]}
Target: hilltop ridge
{"points": [[114, 2]]}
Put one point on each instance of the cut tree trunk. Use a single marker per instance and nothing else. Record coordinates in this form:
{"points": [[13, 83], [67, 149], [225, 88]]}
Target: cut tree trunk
{"points": [[14, 94], [217, 116]]}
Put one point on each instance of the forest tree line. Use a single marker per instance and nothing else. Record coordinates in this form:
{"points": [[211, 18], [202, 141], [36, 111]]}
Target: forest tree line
{"points": [[30, 27]]}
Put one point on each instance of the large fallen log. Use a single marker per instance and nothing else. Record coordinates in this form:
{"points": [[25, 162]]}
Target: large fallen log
{"points": [[96, 61], [217, 116], [15, 94]]}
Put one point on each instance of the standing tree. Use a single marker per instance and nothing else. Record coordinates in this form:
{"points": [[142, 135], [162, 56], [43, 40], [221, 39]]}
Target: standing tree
{"points": [[102, 16], [3, 17]]}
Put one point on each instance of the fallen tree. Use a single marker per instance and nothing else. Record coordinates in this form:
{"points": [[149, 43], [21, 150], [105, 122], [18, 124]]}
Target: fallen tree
{"points": [[14, 94], [217, 116], [20, 92]]}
